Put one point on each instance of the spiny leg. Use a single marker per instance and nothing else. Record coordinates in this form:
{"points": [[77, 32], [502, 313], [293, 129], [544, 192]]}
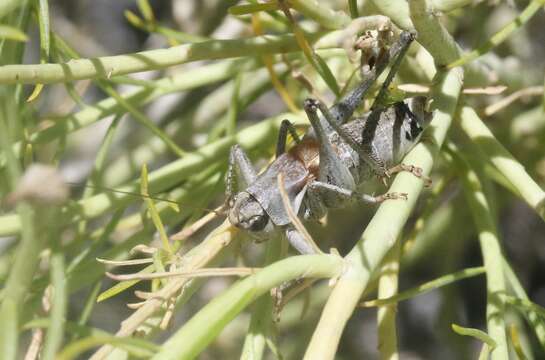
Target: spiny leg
{"points": [[383, 92], [363, 151], [345, 195], [415, 170], [343, 110], [285, 127], [332, 170], [239, 166]]}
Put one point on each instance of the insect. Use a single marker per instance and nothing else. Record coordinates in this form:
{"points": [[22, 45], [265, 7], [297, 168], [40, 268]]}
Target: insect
{"points": [[329, 164]]}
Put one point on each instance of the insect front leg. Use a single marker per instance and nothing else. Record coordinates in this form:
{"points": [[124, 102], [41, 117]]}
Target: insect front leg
{"points": [[239, 168], [285, 127], [298, 241], [345, 195]]}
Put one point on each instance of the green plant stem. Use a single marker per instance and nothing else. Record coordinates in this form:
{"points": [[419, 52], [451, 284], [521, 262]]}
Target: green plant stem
{"points": [[318, 12], [6, 6], [426, 287], [397, 10], [433, 36], [55, 331], [386, 225], [201, 329], [109, 66], [26, 260], [450, 5], [500, 157], [261, 323], [491, 252], [537, 323], [386, 314], [501, 35]]}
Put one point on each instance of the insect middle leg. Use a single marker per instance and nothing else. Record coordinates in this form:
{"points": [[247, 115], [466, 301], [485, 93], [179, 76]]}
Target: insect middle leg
{"points": [[344, 195], [285, 127]]}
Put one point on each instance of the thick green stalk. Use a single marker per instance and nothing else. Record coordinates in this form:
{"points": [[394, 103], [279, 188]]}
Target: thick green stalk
{"points": [[500, 157], [203, 327], [433, 36], [387, 224]]}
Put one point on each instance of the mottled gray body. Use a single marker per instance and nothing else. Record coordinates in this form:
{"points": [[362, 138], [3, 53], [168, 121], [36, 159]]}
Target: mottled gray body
{"points": [[327, 167]]}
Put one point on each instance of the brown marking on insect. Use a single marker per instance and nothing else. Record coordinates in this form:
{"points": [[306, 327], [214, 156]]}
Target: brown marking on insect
{"points": [[308, 153]]}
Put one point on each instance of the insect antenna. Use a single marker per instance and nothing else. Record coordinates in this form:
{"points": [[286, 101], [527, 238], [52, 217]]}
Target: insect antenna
{"points": [[217, 211]]}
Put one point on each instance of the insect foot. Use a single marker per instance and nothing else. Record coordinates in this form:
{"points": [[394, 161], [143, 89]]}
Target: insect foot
{"points": [[391, 196], [415, 170], [310, 105]]}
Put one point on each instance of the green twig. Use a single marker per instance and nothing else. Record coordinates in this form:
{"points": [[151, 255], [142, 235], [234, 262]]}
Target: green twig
{"points": [[514, 171], [491, 252], [318, 12], [501, 35], [386, 314], [59, 300]]}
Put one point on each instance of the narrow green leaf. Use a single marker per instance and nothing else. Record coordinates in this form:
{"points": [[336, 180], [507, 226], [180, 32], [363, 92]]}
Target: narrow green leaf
{"points": [[476, 333], [146, 10], [253, 8], [136, 347], [122, 286], [515, 341], [134, 20], [156, 219], [12, 33], [427, 287]]}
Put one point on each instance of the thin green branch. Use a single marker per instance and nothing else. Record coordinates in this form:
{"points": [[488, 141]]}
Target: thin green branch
{"points": [[26, 259], [386, 314], [537, 322], [426, 287], [318, 12], [501, 35], [203, 327], [6, 6], [386, 225], [59, 300], [500, 157], [491, 252]]}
